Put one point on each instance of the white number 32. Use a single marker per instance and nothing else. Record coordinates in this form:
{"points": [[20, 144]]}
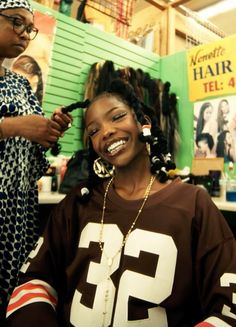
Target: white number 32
{"points": [[152, 289]]}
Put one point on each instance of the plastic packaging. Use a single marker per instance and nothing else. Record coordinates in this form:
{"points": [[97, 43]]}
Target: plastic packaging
{"points": [[231, 184], [54, 185]]}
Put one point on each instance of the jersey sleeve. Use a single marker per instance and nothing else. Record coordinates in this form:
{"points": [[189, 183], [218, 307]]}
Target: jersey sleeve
{"points": [[42, 278], [215, 265], [37, 315]]}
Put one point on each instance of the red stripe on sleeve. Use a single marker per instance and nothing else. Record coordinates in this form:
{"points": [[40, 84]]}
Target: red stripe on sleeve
{"points": [[29, 292], [204, 324], [25, 298]]}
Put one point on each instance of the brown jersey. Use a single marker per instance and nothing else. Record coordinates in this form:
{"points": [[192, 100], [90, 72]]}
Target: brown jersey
{"points": [[177, 267]]}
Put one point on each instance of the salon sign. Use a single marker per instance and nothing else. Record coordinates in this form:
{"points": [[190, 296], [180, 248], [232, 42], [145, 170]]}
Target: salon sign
{"points": [[212, 69]]}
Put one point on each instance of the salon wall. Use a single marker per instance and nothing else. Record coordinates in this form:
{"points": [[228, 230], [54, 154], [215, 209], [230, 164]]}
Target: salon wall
{"points": [[174, 69]]}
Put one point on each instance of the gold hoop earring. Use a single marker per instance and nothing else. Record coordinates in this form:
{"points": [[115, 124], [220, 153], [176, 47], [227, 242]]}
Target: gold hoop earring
{"points": [[102, 169]]}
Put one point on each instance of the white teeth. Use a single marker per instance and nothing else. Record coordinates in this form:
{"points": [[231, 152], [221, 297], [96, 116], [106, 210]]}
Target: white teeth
{"points": [[114, 147]]}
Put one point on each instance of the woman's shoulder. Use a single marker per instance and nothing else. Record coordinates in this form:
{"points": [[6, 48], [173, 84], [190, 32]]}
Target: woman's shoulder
{"points": [[187, 190], [82, 192], [17, 79]]}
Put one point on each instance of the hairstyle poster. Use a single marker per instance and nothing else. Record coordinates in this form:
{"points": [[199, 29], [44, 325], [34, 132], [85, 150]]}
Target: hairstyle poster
{"points": [[34, 62], [215, 128], [211, 69]]}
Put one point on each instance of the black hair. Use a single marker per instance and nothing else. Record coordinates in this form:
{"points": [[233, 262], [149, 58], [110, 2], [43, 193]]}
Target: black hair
{"points": [[159, 155], [205, 137], [200, 121], [220, 147], [220, 119]]}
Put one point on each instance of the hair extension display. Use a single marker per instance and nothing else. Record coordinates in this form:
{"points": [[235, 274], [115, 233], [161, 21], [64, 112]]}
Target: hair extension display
{"points": [[169, 120], [105, 77], [152, 92], [81, 12], [92, 80]]}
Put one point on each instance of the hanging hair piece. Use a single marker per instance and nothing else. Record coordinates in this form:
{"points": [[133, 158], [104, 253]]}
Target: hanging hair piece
{"points": [[81, 12], [105, 77], [166, 99], [92, 80]]}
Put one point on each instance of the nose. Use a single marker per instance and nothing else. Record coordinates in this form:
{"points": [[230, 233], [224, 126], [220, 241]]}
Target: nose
{"points": [[25, 35], [107, 131]]}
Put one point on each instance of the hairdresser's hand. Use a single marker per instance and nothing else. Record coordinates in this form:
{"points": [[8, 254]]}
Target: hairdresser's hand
{"points": [[63, 120], [41, 130], [35, 128]]}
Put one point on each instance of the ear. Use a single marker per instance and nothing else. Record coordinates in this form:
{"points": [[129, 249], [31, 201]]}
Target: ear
{"points": [[148, 120]]}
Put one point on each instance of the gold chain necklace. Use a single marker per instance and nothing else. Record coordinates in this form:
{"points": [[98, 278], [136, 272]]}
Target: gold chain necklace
{"points": [[146, 195], [110, 259]]}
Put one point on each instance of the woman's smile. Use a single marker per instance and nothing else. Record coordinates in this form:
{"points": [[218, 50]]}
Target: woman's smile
{"points": [[116, 147]]}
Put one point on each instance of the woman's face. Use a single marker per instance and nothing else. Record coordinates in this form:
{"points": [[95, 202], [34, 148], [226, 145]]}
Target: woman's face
{"points": [[12, 44], [113, 130], [203, 146], [207, 113]]}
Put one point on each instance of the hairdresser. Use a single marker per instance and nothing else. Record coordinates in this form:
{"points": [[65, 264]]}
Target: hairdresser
{"points": [[25, 135]]}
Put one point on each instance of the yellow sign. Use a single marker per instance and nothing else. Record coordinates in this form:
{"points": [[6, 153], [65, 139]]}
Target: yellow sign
{"points": [[212, 69]]}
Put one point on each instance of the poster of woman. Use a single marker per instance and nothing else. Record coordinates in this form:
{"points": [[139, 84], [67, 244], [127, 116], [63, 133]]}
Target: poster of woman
{"points": [[215, 128]]}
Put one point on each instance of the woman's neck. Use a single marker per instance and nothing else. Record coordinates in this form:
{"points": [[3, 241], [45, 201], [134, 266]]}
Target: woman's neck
{"points": [[137, 169], [131, 180], [132, 187]]}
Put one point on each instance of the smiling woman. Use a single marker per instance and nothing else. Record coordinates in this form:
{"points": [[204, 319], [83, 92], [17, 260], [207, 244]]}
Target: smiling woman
{"points": [[114, 250]]}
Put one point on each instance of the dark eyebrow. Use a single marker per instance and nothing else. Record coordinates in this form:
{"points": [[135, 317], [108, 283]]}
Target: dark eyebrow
{"points": [[19, 16]]}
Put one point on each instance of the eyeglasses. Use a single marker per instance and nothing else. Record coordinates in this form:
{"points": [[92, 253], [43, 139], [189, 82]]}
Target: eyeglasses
{"points": [[19, 27]]}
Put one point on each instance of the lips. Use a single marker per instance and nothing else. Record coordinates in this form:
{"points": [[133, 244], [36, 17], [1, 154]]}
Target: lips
{"points": [[20, 45]]}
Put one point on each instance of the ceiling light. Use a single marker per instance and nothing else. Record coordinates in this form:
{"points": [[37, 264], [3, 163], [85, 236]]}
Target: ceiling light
{"points": [[217, 9]]}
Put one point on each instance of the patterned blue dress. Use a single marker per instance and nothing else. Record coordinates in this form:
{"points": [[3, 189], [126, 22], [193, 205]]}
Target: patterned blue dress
{"points": [[22, 163]]}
